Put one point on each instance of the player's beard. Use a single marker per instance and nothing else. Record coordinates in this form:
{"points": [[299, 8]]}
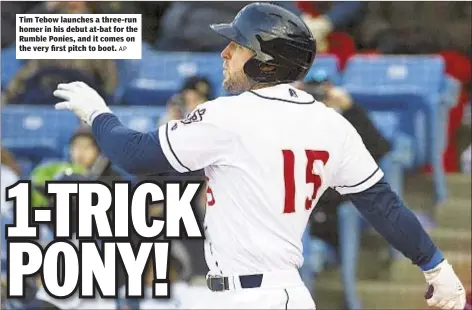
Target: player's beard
{"points": [[236, 83]]}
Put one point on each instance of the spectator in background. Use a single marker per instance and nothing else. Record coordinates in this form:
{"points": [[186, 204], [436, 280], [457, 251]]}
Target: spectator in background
{"points": [[320, 87], [84, 151], [8, 20], [46, 172], [151, 13], [324, 18], [331, 24], [36, 80], [195, 90], [85, 158], [184, 26], [416, 27]]}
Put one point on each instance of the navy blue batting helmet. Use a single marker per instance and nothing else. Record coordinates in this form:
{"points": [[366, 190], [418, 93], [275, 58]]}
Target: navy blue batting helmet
{"points": [[284, 47]]}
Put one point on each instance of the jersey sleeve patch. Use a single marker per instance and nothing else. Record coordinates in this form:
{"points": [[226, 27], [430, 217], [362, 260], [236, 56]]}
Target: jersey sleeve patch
{"points": [[194, 116]]}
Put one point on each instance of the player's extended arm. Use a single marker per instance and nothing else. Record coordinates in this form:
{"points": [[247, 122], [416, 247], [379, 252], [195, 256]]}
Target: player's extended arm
{"points": [[385, 211], [133, 151]]}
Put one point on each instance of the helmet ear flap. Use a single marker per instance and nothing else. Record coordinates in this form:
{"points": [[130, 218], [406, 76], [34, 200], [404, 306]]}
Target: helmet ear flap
{"points": [[259, 71], [262, 72]]}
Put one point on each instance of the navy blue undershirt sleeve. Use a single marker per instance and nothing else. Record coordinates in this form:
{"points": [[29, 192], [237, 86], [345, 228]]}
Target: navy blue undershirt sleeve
{"points": [[385, 211], [133, 151]]}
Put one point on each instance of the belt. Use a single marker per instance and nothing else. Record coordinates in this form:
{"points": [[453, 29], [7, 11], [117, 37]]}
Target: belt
{"points": [[220, 284], [270, 279]]}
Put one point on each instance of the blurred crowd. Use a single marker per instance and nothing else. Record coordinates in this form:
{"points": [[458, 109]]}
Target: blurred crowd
{"points": [[341, 28], [387, 27]]}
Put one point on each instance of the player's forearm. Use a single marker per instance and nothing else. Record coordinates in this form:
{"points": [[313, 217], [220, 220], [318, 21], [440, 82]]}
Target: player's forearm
{"points": [[133, 151], [385, 211]]}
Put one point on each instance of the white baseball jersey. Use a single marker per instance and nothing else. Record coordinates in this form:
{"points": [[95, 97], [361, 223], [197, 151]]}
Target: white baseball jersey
{"points": [[268, 155]]}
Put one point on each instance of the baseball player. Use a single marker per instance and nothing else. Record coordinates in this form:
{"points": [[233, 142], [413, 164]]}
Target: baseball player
{"points": [[269, 151]]}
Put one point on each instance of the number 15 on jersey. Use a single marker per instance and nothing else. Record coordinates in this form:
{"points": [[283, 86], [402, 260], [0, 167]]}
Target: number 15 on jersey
{"points": [[310, 177]]}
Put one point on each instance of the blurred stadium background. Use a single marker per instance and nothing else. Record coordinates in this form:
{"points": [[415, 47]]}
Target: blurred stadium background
{"points": [[405, 64]]}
